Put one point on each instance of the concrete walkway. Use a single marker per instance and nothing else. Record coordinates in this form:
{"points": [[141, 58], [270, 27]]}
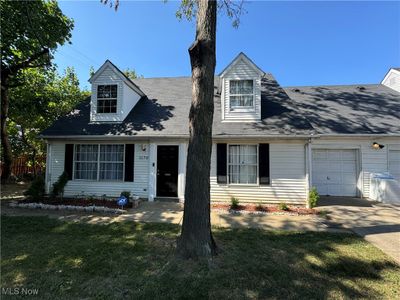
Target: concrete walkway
{"points": [[377, 223], [173, 213]]}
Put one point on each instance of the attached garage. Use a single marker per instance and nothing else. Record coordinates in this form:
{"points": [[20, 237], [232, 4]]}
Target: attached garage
{"points": [[394, 163], [334, 171]]}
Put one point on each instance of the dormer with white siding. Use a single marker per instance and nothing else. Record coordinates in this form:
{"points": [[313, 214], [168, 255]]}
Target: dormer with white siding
{"points": [[392, 79], [113, 94], [241, 91]]}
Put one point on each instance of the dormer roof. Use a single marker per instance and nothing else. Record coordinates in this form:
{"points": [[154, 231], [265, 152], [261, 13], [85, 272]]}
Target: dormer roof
{"points": [[239, 57], [126, 79]]}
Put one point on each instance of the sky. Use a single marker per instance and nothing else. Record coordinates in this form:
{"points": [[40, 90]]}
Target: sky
{"points": [[300, 43]]}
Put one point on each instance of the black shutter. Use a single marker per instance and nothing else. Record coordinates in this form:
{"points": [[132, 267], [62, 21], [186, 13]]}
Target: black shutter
{"points": [[69, 160], [221, 163], [129, 161], [263, 164]]}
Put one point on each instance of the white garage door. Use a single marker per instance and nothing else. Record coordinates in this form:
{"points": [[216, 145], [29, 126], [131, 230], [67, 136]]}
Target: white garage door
{"points": [[394, 163], [334, 172]]}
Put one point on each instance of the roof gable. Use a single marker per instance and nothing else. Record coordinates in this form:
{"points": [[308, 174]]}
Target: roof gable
{"points": [[118, 72], [242, 57]]}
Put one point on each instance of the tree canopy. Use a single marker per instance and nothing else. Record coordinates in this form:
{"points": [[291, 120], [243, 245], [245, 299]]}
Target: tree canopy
{"points": [[43, 96], [30, 32], [30, 29]]}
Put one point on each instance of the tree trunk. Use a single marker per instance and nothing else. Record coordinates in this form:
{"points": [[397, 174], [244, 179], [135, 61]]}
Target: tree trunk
{"points": [[196, 239], [6, 147]]}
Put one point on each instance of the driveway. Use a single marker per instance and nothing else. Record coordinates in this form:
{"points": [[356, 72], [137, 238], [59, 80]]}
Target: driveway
{"points": [[377, 223]]}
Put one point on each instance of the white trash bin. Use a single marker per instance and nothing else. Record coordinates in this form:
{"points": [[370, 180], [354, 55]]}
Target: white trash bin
{"points": [[384, 188]]}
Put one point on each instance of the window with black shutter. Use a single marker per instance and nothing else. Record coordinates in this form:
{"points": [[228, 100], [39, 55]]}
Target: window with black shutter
{"points": [[263, 164], [221, 163]]}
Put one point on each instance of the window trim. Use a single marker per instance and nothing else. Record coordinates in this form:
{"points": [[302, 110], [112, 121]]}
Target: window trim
{"points": [[227, 165], [97, 100], [98, 164], [241, 108]]}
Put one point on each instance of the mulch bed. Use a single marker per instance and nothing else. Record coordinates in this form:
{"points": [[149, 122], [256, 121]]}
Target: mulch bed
{"points": [[252, 208], [81, 202]]}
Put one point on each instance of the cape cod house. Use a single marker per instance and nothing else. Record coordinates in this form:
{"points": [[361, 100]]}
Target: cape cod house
{"points": [[270, 144]]}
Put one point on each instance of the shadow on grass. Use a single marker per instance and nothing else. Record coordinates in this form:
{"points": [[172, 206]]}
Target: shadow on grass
{"points": [[134, 260]]}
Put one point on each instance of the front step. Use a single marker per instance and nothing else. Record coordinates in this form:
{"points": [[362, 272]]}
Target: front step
{"points": [[167, 199]]}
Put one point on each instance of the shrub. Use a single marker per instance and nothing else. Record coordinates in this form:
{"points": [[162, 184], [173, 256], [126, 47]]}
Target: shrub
{"points": [[234, 203], [36, 189], [313, 198], [259, 207], [283, 206], [59, 185], [126, 194]]}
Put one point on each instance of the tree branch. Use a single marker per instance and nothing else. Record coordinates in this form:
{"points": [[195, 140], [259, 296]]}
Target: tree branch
{"points": [[27, 63]]}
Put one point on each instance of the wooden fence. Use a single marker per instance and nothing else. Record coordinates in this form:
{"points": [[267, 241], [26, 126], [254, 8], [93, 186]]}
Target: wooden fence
{"points": [[21, 166]]}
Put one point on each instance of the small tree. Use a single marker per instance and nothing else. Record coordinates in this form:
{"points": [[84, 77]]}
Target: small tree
{"points": [[59, 185], [37, 189]]}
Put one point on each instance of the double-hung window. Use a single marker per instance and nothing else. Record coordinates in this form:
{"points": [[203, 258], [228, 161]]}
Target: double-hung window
{"points": [[241, 94], [99, 162], [242, 164], [107, 98], [111, 162], [86, 160]]}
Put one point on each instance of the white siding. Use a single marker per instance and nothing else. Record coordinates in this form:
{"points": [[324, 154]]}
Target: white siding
{"points": [[288, 178], [99, 188], [241, 71], [130, 98], [126, 97], [370, 160], [392, 80]]}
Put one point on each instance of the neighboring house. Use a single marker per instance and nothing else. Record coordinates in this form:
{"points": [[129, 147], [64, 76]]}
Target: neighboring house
{"points": [[270, 144]]}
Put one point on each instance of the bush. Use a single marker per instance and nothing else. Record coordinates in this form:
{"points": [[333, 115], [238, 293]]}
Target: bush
{"points": [[313, 198], [36, 189], [234, 203], [59, 185], [126, 194], [259, 207], [283, 206]]}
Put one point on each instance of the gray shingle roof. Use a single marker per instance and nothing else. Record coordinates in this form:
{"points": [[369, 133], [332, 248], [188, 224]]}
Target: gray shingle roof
{"points": [[164, 112], [349, 109]]}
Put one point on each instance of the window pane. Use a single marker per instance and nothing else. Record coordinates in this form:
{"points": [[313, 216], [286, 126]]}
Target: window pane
{"points": [[242, 163], [241, 86], [241, 101], [106, 98], [86, 161], [241, 93], [111, 162], [111, 171]]}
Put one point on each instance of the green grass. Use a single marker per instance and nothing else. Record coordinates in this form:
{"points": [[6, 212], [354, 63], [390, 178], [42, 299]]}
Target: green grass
{"points": [[136, 261]]}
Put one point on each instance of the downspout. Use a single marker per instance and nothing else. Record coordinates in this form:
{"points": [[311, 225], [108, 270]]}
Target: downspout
{"points": [[308, 161]]}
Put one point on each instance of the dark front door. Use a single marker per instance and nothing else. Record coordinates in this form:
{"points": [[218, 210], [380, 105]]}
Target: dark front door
{"points": [[167, 171]]}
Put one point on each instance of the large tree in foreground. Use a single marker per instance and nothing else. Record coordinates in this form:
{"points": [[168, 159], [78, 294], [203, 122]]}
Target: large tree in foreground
{"points": [[196, 238], [30, 32]]}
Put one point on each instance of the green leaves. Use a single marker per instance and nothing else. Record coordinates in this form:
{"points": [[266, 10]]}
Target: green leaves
{"points": [[29, 27], [42, 98]]}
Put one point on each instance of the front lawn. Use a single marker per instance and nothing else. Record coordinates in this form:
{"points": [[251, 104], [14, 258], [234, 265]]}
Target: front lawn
{"points": [[126, 260]]}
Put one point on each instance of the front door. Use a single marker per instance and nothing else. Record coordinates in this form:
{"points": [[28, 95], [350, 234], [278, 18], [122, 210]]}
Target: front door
{"points": [[167, 171]]}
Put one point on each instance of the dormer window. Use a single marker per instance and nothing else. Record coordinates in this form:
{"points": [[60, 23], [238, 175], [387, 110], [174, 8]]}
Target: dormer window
{"points": [[241, 94], [107, 98]]}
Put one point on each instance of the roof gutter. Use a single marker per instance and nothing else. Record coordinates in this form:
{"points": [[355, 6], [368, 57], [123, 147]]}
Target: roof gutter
{"points": [[215, 137]]}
